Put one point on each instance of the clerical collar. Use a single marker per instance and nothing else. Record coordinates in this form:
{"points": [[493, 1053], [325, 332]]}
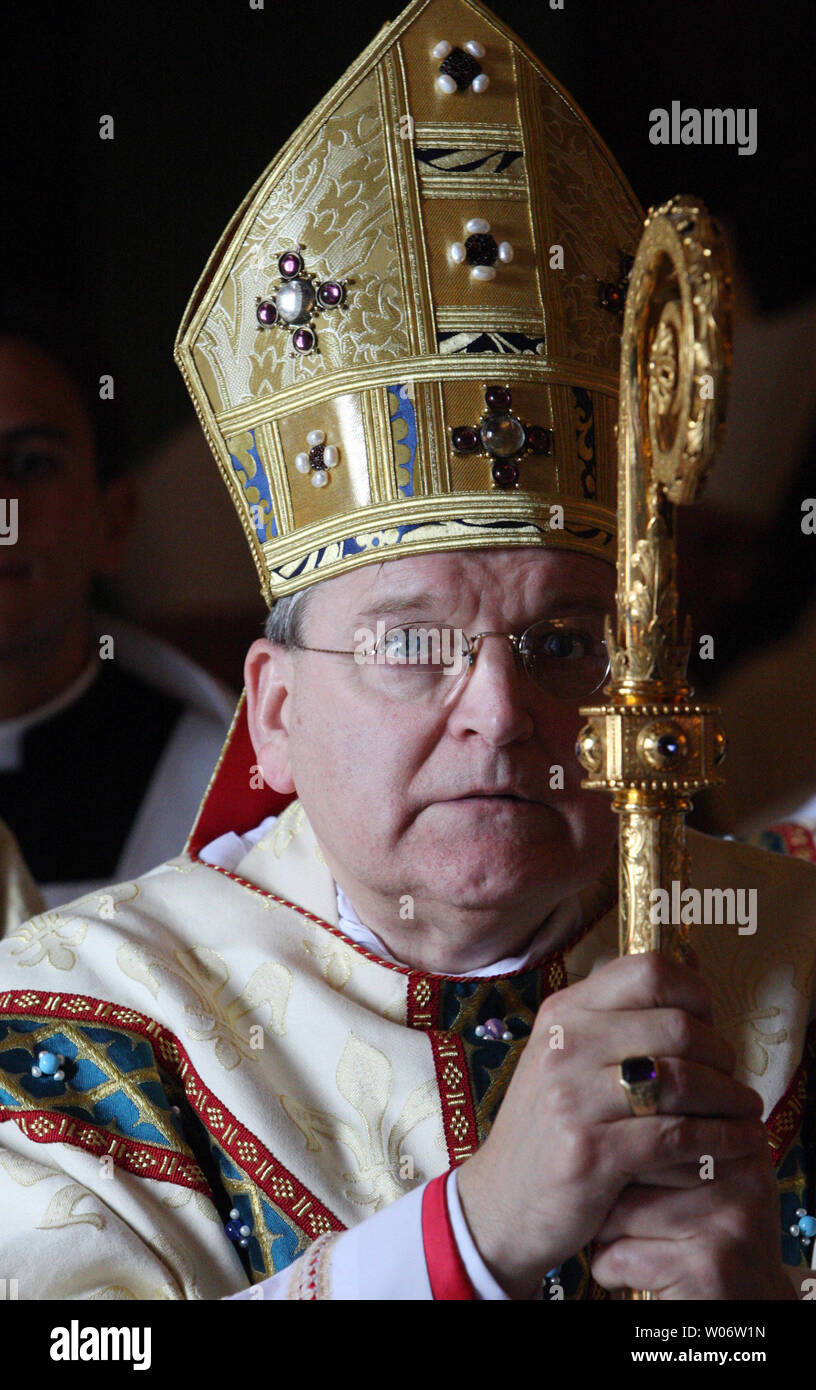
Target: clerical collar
{"points": [[227, 851], [12, 731]]}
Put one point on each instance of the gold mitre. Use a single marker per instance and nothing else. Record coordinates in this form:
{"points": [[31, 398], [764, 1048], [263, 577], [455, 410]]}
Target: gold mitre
{"points": [[408, 338]]}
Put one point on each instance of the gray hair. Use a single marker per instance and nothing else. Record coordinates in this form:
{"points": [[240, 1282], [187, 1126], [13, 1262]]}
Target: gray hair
{"points": [[284, 623]]}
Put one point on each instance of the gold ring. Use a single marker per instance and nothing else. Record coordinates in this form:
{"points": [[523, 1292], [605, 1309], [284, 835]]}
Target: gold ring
{"points": [[640, 1079]]}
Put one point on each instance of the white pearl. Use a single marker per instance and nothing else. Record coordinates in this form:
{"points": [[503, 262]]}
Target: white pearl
{"points": [[480, 1032], [507, 1037], [234, 1214], [35, 1071], [302, 463], [445, 83], [475, 48], [477, 224], [800, 1211], [319, 479], [483, 272], [330, 456], [458, 252], [794, 1230], [59, 1075], [481, 83], [315, 437], [245, 1231], [505, 252], [244, 1243], [441, 50]]}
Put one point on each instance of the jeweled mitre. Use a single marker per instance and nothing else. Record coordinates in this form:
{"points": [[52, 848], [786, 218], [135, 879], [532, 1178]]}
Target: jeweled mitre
{"points": [[408, 338]]}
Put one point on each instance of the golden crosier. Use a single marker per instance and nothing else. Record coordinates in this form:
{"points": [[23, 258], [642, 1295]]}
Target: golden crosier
{"points": [[648, 745]]}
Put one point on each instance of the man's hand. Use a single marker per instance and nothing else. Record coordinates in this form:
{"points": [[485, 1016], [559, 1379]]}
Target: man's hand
{"points": [[687, 1238], [565, 1145]]}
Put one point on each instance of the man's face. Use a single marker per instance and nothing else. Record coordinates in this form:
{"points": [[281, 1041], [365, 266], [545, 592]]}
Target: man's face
{"points": [[398, 791], [47, 464]]}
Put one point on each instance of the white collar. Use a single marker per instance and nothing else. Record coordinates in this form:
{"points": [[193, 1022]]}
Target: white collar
{"points": [[12, 730]]}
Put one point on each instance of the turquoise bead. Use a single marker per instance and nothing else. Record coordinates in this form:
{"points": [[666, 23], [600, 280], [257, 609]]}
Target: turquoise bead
{"points": [[807, 1226], [48, 1062]]}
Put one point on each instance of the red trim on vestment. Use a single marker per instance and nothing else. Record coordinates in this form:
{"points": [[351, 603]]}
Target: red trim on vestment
{"points": [[242, 1146], [144, 1160], [422, 1003], [458, 1115], [786, 1117], [798, 839], [446, 1271]]}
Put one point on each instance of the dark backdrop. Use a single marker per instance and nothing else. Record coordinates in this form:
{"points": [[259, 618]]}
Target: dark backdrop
{"points": [[204, 92]]}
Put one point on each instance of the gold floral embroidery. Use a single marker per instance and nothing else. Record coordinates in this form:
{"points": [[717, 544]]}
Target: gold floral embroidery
{"points": [[54, 937], [333, 956], [365, 1079], [203, 976], [62, 1209]]}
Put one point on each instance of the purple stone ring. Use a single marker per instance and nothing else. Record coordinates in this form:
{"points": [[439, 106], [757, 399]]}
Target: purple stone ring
{"points": [[640, 1079]]}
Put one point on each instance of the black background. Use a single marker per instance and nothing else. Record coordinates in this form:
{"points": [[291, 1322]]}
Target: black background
{"points": [[204, 93]]}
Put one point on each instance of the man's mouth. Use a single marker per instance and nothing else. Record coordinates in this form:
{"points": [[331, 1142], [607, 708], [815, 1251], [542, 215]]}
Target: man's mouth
{"points": [[482, 795]]}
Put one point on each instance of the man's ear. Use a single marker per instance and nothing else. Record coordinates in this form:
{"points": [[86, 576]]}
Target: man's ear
{"points": [[268, 677], [118, 509]]}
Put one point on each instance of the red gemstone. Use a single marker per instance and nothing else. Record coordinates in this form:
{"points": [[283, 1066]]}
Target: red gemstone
{"points": [[497, 398], [505, 474], [465, 439], [289, 264], [539, 440], [316, 456], [303, 340], [266, 312], [329, 294]]}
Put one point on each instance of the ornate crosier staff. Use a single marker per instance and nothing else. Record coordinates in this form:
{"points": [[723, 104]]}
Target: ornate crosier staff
{"points": [[648, 745]]}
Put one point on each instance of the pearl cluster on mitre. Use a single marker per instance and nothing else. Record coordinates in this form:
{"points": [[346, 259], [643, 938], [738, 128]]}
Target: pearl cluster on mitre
{"points": [[320, 457], [460, 68], [481, 251]]}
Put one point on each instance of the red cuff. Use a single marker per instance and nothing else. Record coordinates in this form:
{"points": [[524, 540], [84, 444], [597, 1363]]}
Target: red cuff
{"points": [[446, 1270]]}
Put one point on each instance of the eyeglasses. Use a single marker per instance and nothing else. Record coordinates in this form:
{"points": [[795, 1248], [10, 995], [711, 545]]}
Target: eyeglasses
{"points": [[566, 657]]}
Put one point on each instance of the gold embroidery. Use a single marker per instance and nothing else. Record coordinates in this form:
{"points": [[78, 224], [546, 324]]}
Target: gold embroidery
{"points": [[204, 974], [365, 1079], [333, 956], [62, 1209]]}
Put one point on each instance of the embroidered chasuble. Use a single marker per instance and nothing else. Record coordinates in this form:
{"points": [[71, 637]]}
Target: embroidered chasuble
{"points": [[224, 1047]]}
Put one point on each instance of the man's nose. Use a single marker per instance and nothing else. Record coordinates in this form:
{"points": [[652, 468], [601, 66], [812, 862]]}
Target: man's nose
{"points": [[493, 693]]}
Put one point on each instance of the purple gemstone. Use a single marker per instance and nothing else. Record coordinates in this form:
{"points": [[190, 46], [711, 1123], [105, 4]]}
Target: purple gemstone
{"points": [[497, 398], [289, 264], [303, 340], [494, 1028], [462, 67], [329, 294], [481, 249], [267, 312], [635, 1070], [539, 439], [465, 439], [505, 474]]}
